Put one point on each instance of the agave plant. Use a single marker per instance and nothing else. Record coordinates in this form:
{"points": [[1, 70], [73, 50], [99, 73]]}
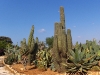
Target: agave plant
{"points": [[82, 59], [12, 54]]}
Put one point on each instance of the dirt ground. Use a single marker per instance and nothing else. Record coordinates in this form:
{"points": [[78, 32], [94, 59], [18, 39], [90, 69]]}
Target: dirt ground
{"points": [[31, 71]]}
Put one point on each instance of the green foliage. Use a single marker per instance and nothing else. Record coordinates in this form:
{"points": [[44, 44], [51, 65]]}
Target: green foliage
{"points": [[13, 55], [83, 58], [49, 41], [3, 44], [61, 43], [31, 37], [23, 47], [95, 68], [7, 39], [43, 59], [31, 48], [69, 39], [31, 45], [52, 67]]}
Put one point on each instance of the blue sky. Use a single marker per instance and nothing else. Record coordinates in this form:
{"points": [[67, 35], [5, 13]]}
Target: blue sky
{"points": [[18, 16]]}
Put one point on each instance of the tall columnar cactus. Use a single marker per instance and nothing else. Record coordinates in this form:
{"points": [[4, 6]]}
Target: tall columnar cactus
{"points": [[59, 47], [59, 36], [21, 43], [24, 41], [62, 34], [35, 48], [61, 42], [36, 44], [23, 47], [30, 37], [62, 17], [37, 40], [69, 39], [31, 44], [55, 53], [56, 28], [64, 43]]}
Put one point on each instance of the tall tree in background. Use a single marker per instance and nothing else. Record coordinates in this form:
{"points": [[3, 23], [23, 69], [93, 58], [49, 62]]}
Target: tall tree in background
{"points": [[4, 41], [49, 41]]}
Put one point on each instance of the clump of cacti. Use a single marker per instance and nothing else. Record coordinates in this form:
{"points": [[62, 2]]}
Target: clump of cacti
{"points": [[43, 59], [62, 58], [62, 42], [12, 54], [28, 50], [83, 58]]}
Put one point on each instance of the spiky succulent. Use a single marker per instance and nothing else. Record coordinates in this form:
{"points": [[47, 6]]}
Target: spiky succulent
{"points": [[12, 54], [43, 59], [82, 59]]}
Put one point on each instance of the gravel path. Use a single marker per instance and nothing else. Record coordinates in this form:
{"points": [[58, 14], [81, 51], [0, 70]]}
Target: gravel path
{"points": [[3, 70]]}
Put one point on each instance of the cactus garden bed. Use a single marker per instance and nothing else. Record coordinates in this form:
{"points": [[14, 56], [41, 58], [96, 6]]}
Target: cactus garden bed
{"points": [[62, 56]]}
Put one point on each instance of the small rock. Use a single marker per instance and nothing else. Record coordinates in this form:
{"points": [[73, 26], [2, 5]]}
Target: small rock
{"points": [[22, 69]]}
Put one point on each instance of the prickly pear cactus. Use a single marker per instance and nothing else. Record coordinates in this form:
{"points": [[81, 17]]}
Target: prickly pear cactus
{"points": [[43, 59]]}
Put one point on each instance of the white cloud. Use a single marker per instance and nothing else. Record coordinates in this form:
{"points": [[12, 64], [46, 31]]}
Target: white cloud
{"points": [[41, 30], [79, 36], [74, 26]]}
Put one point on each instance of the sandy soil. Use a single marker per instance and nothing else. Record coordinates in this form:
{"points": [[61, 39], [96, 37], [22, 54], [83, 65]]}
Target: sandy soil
{"points": [[31, 71], [3, 69]]}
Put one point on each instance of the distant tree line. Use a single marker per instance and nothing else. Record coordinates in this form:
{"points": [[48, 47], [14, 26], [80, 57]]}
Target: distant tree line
{"points": [[4, 41]]}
